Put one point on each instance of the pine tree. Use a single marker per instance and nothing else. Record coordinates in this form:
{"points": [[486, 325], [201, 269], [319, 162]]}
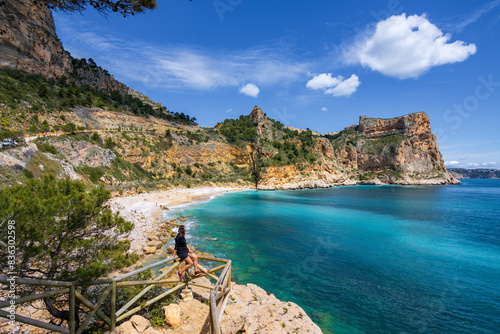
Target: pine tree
{"points": [[123, 7], [62, 232]]}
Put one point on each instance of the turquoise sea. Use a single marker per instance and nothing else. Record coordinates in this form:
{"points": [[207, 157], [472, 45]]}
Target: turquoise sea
{"points": [[366, 259]]}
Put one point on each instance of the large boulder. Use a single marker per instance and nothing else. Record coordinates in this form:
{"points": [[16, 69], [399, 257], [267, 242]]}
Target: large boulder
{"points": [[149, 250], [140, 323], [136, 325], [172, 315]]}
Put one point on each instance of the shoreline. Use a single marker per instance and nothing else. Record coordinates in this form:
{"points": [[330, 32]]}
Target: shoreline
{"points": [[249, 308], [145, 211]]}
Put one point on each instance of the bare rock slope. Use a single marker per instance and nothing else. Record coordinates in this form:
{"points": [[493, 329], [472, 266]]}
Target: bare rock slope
{"points": [[28, 40]]}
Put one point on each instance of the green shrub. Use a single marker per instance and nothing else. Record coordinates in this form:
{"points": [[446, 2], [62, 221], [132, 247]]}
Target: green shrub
{"points": [[109, 143], [28, 173], [46, 147], [70, 127], [238, 131], [96, 137], [94, 173]]}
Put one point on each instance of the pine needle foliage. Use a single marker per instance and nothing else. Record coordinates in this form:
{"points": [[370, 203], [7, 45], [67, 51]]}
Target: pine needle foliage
{"points": [[63, 231]]}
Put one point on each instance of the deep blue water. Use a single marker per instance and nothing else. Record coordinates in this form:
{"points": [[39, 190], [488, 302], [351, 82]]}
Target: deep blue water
{"points": [[367, 259]]}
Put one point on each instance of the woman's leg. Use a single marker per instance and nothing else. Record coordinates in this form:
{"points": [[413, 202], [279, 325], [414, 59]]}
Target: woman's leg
{"points": [[189, 264], [194, 258]]}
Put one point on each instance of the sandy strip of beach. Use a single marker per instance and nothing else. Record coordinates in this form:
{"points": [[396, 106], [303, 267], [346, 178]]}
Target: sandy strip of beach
{"points": [[145, 210]]}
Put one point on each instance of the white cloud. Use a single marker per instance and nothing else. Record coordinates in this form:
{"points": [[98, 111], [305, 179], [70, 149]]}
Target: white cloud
{"points": [[463, 164], [179, 66], [405, 47], [324, 80], [324, 109], [490, 164], [471, 18], [250, 90], [345, 87], [335, 86], [452, 163]]}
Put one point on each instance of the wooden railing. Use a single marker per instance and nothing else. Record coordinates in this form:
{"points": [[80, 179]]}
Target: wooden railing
{"points": [[218, 296]]}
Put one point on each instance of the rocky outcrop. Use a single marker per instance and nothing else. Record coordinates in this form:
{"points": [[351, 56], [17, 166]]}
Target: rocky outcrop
{"points": [[29, 43], [411, 147], [314, 176], [261, 122], [28, 40], [399, 150], [99, 79], [250, 309], [17, 158], [82, 153]]}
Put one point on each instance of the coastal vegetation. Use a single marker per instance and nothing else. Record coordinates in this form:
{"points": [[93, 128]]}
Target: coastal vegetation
{"points": [[27, 96], [62, 233]]}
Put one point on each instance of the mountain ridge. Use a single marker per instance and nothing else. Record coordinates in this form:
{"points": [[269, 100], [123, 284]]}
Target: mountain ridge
{"points": [[150, 144], [475, 173]]}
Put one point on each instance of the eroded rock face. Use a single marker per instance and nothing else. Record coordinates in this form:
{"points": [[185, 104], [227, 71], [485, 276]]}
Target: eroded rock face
{"points": [[18, 158], [249, 309], [28, 40], [82, 153], [416, 152], [403, 145]]}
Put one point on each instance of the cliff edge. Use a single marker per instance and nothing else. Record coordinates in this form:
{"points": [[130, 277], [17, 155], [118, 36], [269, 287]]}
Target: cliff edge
{"points": [[400, 150], [28, 40]]}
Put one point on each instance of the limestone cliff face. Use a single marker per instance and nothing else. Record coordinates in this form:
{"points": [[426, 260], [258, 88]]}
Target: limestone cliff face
{"points": [[28, 40], [156, 145], [261, 122], [399, 150], [98, 79], [412, 148], [29, 43]]}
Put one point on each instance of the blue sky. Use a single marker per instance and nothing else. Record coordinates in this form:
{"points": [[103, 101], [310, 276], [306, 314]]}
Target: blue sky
{"points": [[317, 65]]}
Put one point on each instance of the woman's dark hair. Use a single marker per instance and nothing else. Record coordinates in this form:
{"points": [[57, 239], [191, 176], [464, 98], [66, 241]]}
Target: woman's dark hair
{"points": [[182, 231]]}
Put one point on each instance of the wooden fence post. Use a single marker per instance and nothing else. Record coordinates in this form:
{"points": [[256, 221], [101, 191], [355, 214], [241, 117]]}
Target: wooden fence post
{"points": [[113, 306], [72, 309]]}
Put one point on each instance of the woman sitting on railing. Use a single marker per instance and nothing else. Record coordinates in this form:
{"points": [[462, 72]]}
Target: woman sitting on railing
{"points": [[182, 250]]}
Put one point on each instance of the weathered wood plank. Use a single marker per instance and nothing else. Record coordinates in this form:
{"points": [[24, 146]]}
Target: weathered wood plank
{"points": [[206, 272], [91, 313], [36, 323], [35, 297], [149, 302], [72, 307], [208, 258], [91, 306], [34, 281], [113, 306], [145, 290]]}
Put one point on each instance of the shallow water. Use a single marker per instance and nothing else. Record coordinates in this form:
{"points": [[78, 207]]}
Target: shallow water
{"points": [[366, 259]]}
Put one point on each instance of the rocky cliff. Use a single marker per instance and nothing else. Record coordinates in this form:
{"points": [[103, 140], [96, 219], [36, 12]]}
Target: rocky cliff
{"points": [[117, 148], [250, 309], [399, 150], [28, 40], [29, 43], [404, 145]]}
